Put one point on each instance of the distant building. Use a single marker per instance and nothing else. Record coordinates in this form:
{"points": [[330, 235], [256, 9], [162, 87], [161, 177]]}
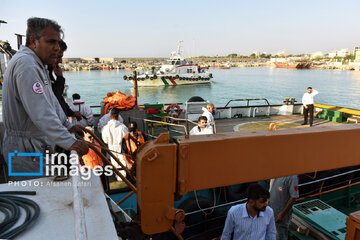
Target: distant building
{"points": [[281, 54], [71, 60], [343, 52], [357, 54], [332, 54], [87, 60], [257, 53], [296, 59], [107, 60], [316, 55], [278, 60]]}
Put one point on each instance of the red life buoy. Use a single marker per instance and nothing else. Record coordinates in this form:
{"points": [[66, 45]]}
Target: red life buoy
{"points": [[173, 110]]}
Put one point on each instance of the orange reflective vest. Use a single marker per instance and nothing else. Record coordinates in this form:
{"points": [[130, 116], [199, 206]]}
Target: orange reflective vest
{"points": [[132, 145], [92, 159]]}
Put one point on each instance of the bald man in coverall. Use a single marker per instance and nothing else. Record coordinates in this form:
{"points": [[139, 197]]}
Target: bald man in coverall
{"points": [[33, 119]]}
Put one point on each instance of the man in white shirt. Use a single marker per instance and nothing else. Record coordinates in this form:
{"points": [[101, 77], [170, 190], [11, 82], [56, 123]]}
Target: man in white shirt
{"points": [[85, 111], [308, 103], [112, 134], [202, 128]]}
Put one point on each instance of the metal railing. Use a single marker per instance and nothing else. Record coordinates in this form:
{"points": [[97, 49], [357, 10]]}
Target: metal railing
{"points": [[248, 101]]}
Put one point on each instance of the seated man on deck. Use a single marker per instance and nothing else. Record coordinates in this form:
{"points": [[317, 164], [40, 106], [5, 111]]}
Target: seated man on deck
{"points": [[202, 127], [209, 112]]}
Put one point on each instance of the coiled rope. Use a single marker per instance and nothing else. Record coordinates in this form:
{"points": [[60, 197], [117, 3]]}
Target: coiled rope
{"points": [[11, 206]]}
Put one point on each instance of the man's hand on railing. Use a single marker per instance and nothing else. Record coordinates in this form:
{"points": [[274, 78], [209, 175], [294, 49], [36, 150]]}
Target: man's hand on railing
{"points": [[77, 130], [80, 147]]}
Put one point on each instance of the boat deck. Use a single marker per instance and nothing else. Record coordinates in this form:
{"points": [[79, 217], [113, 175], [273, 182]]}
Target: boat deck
{"points": [[228, 125]]}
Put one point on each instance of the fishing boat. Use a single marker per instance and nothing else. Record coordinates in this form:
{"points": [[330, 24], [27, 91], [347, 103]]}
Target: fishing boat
{"points": [[293, 66], [176, 71], [225, 66]]}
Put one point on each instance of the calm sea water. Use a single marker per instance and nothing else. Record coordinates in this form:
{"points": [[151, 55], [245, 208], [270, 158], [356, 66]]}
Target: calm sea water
{"points": [[340, 88]]}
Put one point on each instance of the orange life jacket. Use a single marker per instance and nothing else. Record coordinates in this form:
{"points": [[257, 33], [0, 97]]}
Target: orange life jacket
{"points": [[92, 159], [132, 146], [118, 100]]}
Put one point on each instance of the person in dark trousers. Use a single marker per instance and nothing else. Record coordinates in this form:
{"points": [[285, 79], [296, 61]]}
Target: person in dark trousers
{"points": [[308, 103], [58, 84]]}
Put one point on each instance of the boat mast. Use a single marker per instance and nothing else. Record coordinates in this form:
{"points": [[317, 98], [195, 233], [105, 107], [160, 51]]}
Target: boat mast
{"points": [[180, 49]]}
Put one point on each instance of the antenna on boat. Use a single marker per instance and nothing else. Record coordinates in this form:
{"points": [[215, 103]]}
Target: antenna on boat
{"points": [[19, 39], [180, 49]]}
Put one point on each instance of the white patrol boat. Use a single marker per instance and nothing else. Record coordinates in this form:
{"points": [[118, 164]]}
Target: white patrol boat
{"points": [[176, 71]]}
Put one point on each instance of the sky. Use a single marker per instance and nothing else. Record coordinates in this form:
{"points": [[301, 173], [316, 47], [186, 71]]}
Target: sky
{"points": [[111, 28]]}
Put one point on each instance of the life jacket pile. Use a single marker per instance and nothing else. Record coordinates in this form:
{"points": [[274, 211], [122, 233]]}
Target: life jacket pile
{"points": [[118, 100], [132, 146]]}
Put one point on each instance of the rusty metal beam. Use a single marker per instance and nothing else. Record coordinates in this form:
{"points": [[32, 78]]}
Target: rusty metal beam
{"points": [[156, 168], [233, 158], [207, 161]]}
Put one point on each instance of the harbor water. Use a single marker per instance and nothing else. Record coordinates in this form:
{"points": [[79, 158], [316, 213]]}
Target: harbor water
{"points": [[340, 88]]}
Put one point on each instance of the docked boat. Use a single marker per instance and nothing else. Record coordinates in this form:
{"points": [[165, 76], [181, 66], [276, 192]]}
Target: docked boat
{"points": [[225, 66], [176, 71], [293, 66]]}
